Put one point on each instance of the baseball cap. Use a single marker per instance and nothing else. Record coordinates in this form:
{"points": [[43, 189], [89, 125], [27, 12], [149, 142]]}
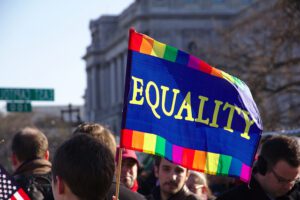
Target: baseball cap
{"points": [[127, 153]]}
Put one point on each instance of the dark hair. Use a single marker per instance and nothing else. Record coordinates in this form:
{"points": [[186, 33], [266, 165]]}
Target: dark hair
{"points": [[281, 148], [157, 160], [99, 132], [86, 165], [29, 143]]}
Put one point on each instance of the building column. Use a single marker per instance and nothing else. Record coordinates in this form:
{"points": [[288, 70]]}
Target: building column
{"points": [[113, 90], [119, 77], [107, 85], [94, 87], [102, 87], [124, 66], [89, 94]]}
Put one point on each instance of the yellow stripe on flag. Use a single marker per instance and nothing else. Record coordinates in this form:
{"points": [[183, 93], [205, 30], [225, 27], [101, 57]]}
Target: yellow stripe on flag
{"points": [[158, 49], [149, 143], [227, 77], [212, 161]]}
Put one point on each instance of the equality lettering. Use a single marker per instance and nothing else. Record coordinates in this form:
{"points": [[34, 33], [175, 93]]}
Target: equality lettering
{"points": [[141, 95]]}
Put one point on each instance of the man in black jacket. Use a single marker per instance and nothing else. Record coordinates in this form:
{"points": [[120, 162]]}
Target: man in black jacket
{"points": [[275, 173], [172, 179], [105, 136], [30, 160]]}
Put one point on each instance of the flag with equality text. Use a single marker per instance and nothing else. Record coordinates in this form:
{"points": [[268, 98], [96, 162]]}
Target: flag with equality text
{"points": [[9, 190], [181, 108]]}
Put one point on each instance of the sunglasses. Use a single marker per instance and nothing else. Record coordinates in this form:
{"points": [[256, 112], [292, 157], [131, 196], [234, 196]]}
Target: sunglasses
{"points": [[282, 180]]}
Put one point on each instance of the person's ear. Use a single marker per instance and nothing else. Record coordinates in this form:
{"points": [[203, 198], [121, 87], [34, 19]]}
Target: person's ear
{"points": [[60, 185], [14, 160], [47, 154], [156, 171]]}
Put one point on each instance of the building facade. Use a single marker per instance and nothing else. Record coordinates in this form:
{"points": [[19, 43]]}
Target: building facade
{"points": [[185, 24]]}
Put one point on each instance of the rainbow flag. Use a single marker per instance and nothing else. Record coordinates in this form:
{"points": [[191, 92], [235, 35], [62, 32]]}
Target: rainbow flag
{"points": [[181, 108]]}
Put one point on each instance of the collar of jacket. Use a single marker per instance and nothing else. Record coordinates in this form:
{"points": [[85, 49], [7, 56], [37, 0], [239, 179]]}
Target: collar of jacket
{"points": [[181, 194], [35, 166]]}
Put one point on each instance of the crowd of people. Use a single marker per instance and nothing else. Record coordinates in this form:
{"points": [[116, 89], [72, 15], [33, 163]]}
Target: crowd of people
{"points": [[84, 167]]}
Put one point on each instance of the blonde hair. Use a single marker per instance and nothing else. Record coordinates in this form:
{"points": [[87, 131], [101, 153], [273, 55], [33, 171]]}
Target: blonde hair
{"points": [[201, 176], [100, 133]]}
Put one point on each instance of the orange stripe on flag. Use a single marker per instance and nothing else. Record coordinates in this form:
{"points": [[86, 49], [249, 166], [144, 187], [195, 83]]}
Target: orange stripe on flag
{"points": [[138, 140], [216, 72], [147, 45], [199, 160]]}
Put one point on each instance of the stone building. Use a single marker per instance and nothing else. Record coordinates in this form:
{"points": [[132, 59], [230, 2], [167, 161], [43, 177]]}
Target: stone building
{"points": [[184, 24], [196, 26]]}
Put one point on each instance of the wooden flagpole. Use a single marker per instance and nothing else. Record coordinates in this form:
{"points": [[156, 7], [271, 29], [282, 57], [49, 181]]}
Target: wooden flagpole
{"points": [[118, 173]]}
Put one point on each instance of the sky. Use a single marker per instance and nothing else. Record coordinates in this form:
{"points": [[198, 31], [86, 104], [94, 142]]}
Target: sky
{"points": [[42, 44]]}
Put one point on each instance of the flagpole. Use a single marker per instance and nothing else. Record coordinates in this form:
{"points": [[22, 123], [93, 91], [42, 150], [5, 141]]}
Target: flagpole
{"points": [[118, 173]]}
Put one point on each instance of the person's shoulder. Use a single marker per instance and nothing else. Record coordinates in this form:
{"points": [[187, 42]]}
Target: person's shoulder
{"points": [[186, 194], [124, 193], [150, 197], [295, 192], [236, 193], [192, 196], [21, 180], [37, 186]]}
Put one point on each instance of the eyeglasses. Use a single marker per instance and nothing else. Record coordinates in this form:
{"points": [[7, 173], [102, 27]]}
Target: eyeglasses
{"points": [[284, 181]]}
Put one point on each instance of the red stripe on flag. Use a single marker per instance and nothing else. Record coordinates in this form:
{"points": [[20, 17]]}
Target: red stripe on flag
{"points": [[13, 198], [23, 194], [126, 138], [188, 157], [135, 40], [204, 67]]}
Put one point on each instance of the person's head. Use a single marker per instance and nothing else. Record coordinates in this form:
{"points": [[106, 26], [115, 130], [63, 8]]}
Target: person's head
{"points": [[171, 177], [82, 168], [99, 132], [129, 169], [197, 183], [28, 144], [278, 165]]}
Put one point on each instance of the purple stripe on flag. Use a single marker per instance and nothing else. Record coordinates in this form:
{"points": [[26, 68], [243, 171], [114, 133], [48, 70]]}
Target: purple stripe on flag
{"points": [[245, 173], [177, 154], [193, 62]]}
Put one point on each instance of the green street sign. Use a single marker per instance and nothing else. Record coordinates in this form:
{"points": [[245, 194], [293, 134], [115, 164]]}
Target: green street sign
{"points": [[27, 94], [18, 107]]}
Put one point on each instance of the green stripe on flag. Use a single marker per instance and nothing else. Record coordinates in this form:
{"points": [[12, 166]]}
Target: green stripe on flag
{"points": [[224, 165], [160, 146], [238, 82], [170, 53]]}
